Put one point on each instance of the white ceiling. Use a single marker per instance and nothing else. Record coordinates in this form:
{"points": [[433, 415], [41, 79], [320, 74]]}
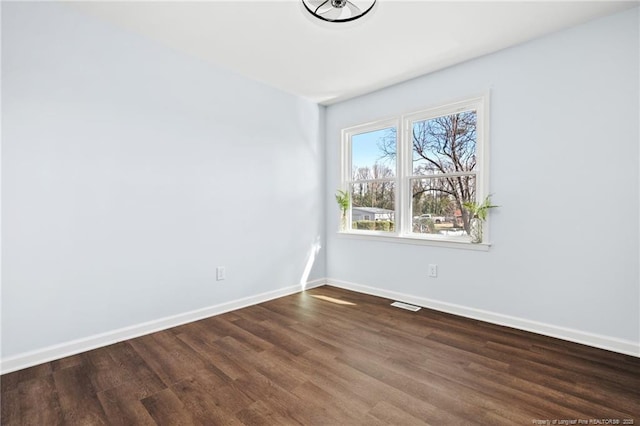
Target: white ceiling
{"points": [[279, 43]]}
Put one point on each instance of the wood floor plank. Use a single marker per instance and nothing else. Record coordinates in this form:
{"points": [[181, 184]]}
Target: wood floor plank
{"points": [[202, 329], [11, 381], [69, 361], [253, 314], [268, 366], [127, 360], [168, 357], [357, 386], [501, 396], [103, 369], [122, 404], [569, 383], [339, 410], [78, 398], [166, 409], [273, 316], [443, 393], [307, 411], [390, 414], [209, 402], [261, 414], [227, 328], [274, 335], [599, 372], [39, 404], [210, 351], [348, 341], [219, 393], [344, 358], [546, 399], [10, 413], [282, 402]]}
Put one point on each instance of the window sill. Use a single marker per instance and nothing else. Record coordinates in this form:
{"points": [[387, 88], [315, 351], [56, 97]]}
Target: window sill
{"points": [[452, 243]]}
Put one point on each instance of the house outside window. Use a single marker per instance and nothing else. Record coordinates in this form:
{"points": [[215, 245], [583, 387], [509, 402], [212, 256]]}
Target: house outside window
{"points": [[409, 176]]}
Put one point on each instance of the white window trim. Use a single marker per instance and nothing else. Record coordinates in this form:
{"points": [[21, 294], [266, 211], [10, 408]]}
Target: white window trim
{"points": [[404, 173], [389, 237]]}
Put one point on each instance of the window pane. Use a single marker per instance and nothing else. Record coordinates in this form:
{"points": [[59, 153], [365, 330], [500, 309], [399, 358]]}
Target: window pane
{"points": [[437, 205], [373, 154], [373, 206], [445, 144]]}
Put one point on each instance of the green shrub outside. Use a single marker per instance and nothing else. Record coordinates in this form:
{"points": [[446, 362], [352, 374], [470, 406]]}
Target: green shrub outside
{"points": [[373, 225], [368, 225]]}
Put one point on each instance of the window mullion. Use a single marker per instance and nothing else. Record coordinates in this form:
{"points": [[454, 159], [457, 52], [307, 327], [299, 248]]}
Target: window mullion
{"points": [[403, 209], [444, 175], [381, 180]]}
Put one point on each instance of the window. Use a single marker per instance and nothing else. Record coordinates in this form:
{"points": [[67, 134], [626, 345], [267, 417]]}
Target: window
{"points": [[410, 176], [372, 177]]}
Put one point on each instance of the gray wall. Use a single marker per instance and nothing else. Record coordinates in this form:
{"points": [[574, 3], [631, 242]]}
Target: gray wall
{"points": [[129, 172], [564, 169]]}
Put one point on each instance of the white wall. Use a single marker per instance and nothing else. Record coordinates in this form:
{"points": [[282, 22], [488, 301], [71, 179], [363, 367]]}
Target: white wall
{"points": [[564, 168], [129, 172]]}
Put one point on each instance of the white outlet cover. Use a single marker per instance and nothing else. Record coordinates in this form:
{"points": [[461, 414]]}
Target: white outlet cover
{"points": [[433, 270], [220, 273]]}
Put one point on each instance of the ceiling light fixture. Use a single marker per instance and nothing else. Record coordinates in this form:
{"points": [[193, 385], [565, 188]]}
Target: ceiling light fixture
{"points": [[338, 10]]}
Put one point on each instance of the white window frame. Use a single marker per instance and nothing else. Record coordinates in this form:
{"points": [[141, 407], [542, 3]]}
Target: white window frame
{"points": [[404, 172]]}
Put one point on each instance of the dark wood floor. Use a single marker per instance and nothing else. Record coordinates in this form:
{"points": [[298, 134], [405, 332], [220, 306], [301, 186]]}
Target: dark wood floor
{"points": [[305, 359]]}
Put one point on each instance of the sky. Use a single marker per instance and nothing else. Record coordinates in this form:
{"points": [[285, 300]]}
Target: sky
{"points": [[365, 151]]}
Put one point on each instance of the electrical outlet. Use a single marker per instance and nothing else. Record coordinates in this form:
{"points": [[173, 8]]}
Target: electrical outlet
{"points": [[221, 273], [433, 270]]}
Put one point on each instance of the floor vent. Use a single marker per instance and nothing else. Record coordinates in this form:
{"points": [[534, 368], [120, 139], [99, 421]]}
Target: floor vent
{"points": [[406, 306]]}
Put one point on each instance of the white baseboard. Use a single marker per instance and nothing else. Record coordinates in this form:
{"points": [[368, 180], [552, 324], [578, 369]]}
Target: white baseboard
{"points": [[599, 341], [62, 350]]}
